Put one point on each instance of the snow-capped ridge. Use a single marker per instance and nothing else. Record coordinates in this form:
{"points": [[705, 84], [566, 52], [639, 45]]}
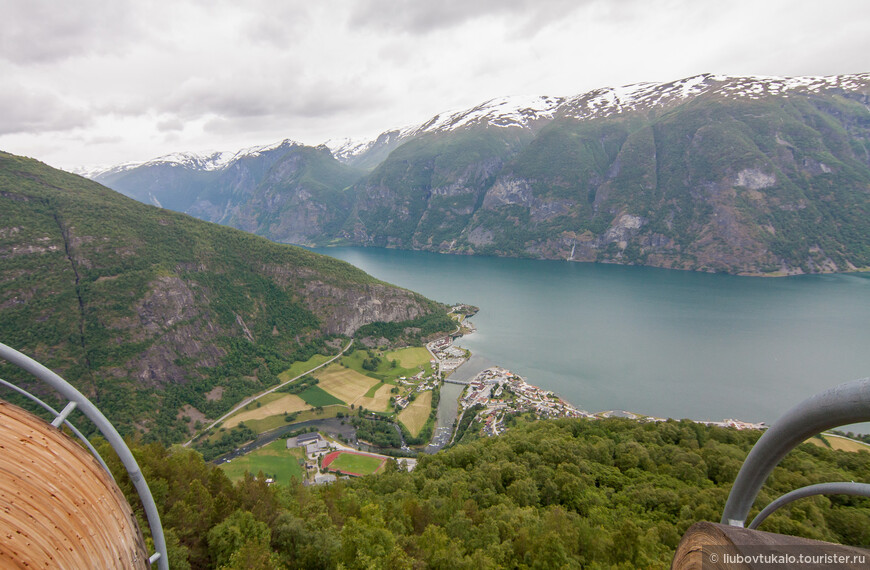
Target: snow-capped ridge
{"points": [[207, 161], [217, 160], [528, 112]]}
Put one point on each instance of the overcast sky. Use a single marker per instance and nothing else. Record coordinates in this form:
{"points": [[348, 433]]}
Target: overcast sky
{"points": [[93, 82]]}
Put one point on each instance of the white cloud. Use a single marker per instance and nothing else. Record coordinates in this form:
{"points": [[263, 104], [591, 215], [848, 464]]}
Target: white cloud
{"points": [[223, 74]]}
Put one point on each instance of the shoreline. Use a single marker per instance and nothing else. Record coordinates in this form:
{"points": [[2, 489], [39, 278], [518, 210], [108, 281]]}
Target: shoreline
{"points": [[491, 383]]}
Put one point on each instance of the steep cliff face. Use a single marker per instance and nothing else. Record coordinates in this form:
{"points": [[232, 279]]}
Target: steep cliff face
{"points": [[710, 173], [148, 310], [740, 177], [304, 196]]}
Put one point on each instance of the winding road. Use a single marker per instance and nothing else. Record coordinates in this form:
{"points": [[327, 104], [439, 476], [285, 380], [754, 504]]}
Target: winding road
{"points": [[247, 401]]}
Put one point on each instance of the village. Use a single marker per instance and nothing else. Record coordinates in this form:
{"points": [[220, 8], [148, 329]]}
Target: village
{"points": [[502, 392], [493, 395]]}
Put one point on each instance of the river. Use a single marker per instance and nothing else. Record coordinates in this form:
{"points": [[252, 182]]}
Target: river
{"points": [[653, 341]]}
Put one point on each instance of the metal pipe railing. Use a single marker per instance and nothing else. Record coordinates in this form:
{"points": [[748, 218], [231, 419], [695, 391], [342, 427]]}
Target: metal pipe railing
{"points": [[852, 488], [66, 422], [114, 439], [845, 404]]}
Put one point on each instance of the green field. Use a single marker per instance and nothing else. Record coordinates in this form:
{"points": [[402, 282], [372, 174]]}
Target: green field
{"points": [[317, 396], [274, 460], [273, 422], [302, 366], [385, 372], [361, 464], [411, 357], [373, 389]]}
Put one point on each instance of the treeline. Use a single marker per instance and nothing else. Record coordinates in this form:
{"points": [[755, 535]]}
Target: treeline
{"points": [[551, 494], [228, 441], [378, 432], [409, 332], [300, 385]]}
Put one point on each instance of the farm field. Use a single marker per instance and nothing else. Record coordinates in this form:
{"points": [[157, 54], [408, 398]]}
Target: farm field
{"points": [[274, 404], [839, 443], [317, 396], [302, 366], [274, 422], [274, 460], [353, 463], [410, 357], [415, 415], [385, 370], [378, 401], [345, 384]]}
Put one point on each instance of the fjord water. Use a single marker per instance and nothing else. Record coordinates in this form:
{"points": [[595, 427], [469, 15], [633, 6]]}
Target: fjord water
{"points": [[659, 342]]}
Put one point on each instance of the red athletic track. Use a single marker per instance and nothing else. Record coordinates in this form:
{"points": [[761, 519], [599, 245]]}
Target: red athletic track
{"points": [[330, 457]]}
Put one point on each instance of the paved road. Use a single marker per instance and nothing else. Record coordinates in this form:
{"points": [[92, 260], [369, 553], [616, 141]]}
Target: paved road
{"points": [[329, 426], [247, 401]]}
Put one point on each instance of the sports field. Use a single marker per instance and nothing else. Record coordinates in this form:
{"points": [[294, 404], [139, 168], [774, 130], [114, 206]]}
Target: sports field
{"points": [[274, 459], [345, 384], [352, 462], [279, 405], [415, 415]]}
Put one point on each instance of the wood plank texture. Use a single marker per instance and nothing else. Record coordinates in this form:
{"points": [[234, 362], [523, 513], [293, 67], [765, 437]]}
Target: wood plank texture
{"points": [[58, 508]]}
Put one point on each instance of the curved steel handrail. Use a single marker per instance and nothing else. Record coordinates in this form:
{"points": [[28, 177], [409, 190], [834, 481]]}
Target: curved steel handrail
{"points": [[855, 489], [845, 404], [66, 422], [79, 401]]}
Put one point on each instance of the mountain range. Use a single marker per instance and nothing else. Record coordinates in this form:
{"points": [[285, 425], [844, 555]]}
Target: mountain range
{"points": [[746, 175], [161, 318]]}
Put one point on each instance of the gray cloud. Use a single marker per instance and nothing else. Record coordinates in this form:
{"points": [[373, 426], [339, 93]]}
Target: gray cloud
{"points": [[413, 17], [43, 31], [28, 111]]}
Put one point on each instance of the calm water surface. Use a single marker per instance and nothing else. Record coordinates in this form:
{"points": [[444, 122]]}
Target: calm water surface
{"points": [[666, 343]]}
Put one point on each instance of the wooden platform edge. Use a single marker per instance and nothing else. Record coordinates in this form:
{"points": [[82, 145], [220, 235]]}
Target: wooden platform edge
{"points": [[705, 544]]}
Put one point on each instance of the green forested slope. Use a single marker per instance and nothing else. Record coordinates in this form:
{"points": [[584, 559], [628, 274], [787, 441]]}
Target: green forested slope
{"points": [[148, 311], [779, 184], [552, 494], [734, 174]]}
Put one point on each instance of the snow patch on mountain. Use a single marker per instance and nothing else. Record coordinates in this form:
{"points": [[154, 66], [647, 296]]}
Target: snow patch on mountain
{"points": [[526, 112], [520, 111], [208, 161]]}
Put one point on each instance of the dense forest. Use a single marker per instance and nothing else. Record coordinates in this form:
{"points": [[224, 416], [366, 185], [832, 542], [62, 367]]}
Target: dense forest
{"points": [[552, 494]]}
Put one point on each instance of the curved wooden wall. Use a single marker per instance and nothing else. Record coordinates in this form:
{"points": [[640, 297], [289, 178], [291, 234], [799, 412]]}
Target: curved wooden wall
{"points": [[58, 508]]}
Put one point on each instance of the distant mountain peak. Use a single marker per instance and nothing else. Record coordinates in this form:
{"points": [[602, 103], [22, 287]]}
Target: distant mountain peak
{"points": [[208, 161], [525, 111]]}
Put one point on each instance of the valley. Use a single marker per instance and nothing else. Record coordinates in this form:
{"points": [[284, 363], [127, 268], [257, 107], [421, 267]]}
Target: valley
{"points": [[165, 320]]}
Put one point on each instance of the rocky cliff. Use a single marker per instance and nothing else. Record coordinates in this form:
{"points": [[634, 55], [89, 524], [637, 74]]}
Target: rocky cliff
{"points": [[735, 174]]}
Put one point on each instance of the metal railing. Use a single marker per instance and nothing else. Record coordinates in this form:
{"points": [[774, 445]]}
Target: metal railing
{"points": [[76, 400], [845, 404]]}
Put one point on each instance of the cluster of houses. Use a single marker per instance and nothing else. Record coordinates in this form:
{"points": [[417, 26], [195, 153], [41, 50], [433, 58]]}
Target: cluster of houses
{"points": [[420, 384], [315, 447], [729, 423], [501, 392], [447, 356]]}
